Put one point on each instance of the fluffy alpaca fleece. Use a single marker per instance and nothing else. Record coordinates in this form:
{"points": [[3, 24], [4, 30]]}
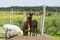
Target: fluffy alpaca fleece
{"points": [[13, 30]]}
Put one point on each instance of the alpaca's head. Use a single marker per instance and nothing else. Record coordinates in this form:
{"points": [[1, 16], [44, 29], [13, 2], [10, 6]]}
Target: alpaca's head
{"points": [[20, 33], [29, 17]]}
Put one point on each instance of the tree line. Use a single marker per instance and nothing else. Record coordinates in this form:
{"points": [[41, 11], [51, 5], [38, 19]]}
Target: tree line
{"points": [[34, 8]]}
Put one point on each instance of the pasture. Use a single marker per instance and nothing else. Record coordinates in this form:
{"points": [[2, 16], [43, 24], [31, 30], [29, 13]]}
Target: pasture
{"points": [[18, 20]]}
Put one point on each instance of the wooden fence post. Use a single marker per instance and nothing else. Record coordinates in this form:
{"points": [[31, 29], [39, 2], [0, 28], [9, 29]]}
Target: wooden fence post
{"points": [[42, 20]]}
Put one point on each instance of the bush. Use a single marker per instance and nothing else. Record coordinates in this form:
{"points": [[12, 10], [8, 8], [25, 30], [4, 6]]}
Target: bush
{"points": [[49, 14]]}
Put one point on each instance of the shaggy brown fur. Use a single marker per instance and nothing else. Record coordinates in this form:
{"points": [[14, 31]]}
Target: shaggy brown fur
{"points": [[25, 28], [30, 23], [33, 25]]}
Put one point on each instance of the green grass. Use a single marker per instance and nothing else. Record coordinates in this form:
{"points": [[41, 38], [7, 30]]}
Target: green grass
{"points": [[17, 18], [54, 37], [1, 31], [1, 39]]}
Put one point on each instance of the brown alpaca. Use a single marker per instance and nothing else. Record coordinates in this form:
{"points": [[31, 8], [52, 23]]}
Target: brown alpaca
{"points": [[32, 24], [25, 27]]}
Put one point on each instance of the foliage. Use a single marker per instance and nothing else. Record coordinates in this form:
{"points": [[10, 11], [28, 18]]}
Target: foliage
{"points": [[35, 8], [52, 23], [53, 27]]}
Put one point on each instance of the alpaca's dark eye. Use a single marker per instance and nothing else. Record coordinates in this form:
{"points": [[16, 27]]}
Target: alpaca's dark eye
{"points": [[28, 17]]}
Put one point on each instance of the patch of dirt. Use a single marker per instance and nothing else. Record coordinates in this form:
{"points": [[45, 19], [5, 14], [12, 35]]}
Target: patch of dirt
{"points": [[30, 38]]}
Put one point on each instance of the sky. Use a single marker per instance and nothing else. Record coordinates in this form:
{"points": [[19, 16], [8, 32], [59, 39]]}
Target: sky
{"points": [[8, 3]]}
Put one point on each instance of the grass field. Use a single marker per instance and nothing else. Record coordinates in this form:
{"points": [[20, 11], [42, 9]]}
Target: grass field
{"points": [[1, 30], [20, 18], [54, 37]]}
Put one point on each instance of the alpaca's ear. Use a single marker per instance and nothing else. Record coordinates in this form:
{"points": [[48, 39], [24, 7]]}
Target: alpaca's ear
{"points": [[31, 13], [27, 15]]}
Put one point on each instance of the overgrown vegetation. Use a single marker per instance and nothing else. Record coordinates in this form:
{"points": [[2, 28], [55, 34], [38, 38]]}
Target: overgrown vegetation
{"points": [[34, 8], [52, 22]]}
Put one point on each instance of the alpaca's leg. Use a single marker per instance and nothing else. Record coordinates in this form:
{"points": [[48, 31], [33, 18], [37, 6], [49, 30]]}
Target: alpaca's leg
{"points": [[23, 31], [30, 30], [3, 34], [6, 33], [9, 34], [36, 30], [33, 31], [30, 27], [26, 33], [13, 33]]}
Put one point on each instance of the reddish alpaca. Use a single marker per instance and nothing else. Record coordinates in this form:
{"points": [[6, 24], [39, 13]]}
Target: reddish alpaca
{"points": [[25, 28]]}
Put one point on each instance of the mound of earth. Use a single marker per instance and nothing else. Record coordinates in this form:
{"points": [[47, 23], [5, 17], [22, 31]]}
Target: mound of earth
{"points": [[30, 38]]}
